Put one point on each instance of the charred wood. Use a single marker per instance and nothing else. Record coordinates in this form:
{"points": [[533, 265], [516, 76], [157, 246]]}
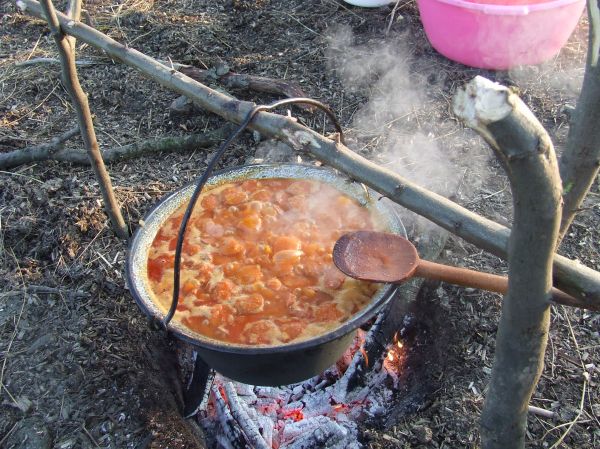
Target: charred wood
{"points": [[199, 387], [319, 432], [232, 432], [246, 424]]}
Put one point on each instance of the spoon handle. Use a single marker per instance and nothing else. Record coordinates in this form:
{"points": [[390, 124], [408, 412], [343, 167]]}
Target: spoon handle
{"points": [[462, 276], [477, 279]]}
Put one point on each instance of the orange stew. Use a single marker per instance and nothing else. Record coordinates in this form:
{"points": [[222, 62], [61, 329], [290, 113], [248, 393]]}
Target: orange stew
{"points": [[256, 265]]}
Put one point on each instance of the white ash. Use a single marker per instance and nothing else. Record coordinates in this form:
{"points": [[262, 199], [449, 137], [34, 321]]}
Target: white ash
{"points": [[314, 413]]}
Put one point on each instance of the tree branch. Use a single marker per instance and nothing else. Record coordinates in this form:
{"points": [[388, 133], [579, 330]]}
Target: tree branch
{"points": [[580, 161], [54, 151], [73, 12], [66, 51], [36, 153], [570, 276], [527, 153]]}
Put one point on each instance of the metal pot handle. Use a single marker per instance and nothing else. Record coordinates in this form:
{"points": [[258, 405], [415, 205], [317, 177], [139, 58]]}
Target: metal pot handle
{"points": [[209, 169]]}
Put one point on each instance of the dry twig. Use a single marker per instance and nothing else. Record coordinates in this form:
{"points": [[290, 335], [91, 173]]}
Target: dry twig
{"points": [[541, 412], [574, 421]]}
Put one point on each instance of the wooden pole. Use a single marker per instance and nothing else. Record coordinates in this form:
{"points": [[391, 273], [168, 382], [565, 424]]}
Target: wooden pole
{"points": [[580, 160], [525, 150], [70, 80]]}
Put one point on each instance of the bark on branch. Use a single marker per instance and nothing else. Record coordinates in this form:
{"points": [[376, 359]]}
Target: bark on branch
{"points": [[66, 52], [570, 276], [36, 153], [54, 151], [526, 151], [580, 161]]}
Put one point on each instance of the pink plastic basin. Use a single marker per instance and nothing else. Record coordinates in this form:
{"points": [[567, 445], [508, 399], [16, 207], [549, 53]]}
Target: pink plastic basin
{"points": [[485, 34]]}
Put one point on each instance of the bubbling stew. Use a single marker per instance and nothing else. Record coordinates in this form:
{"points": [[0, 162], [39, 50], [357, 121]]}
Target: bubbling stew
{"points": [[257, 264]]}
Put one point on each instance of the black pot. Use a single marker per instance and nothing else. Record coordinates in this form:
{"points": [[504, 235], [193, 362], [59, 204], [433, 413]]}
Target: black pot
{"points": [[262, 365]]}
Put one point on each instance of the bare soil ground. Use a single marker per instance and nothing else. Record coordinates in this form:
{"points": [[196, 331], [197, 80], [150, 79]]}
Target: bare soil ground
{"points": [[79, 364]]}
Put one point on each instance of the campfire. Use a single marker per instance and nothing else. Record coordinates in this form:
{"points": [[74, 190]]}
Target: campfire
{"points": [[374, 382]]}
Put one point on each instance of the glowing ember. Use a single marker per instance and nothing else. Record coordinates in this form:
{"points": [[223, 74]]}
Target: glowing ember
{"points": [[295, 415]]}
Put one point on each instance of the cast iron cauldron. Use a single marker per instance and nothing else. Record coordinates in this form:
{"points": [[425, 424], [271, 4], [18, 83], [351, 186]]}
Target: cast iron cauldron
{"points": [[261, 365]]}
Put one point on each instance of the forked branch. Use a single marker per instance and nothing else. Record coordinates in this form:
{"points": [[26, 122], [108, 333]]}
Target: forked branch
{"points": [[527, 154], [580, 161]]}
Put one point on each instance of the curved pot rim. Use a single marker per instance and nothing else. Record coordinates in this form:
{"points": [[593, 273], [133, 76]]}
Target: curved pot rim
{"points": [[156, 216]]}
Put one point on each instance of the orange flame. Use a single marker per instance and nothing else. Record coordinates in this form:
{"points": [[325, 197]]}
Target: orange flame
{"points": [[364, 354]]}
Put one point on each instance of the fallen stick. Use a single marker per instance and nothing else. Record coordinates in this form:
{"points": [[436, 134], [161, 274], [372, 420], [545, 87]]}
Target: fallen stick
{"points": [[34, 153], [234, 80], [54, 151], [541, 412], [37, 61], [569, 276]]}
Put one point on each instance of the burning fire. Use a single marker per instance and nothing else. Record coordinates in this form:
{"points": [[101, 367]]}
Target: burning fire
{"points": [[308, 414], [394, 359]]}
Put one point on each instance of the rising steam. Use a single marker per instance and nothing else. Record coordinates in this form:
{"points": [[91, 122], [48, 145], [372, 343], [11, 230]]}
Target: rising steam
{"points": [[408, 131]]}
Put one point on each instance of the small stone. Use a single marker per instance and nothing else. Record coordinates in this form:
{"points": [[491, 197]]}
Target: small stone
{"points": [[222, 69], [67, 443]]}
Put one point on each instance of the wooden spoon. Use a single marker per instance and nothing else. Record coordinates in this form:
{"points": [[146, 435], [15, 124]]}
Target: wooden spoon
{"points": [[381, 257]]}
